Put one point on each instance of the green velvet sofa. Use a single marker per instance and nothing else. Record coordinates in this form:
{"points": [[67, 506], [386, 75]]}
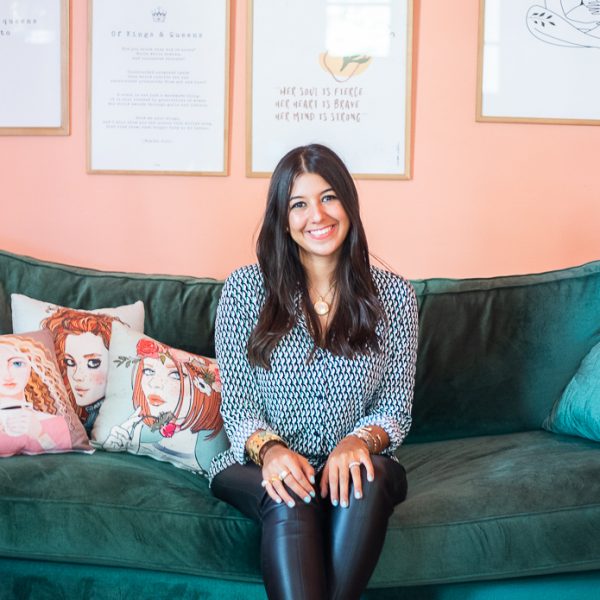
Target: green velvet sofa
{"points": [[497, 507]]}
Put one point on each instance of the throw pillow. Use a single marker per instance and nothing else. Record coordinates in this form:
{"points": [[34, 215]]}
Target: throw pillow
{"points": [[81, 340], [36, 416], [161, 402], [577, 412]]}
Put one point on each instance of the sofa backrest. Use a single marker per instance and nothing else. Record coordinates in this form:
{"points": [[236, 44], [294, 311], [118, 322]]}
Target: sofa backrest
{"points": [[494, 354], [180, 311]]}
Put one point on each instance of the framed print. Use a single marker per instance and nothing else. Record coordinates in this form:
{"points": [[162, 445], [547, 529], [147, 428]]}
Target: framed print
{"points": [[336, 73], [538, 61], [34, 67], [159, 86]]}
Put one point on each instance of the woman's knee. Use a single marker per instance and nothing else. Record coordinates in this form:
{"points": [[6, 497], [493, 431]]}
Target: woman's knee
{"points": [[390, 479]]}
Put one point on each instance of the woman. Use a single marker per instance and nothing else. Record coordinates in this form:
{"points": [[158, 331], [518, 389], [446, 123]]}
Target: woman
{"points": [[176, 408], [317, 353], [30, 394], [81, 342]]}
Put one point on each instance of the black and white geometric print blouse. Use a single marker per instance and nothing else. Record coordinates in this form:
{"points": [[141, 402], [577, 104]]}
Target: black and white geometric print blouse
{"points": [[313, 406]]}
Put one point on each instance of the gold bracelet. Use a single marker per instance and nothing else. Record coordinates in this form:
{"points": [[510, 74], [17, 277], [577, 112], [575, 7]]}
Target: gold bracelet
{"points": [[371, 438], [257, 440], [379, 444], [366, 437]]}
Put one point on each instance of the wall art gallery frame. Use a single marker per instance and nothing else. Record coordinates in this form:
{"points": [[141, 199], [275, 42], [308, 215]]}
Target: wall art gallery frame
{"points": [[35, 91], [538, 61], [158, 87], [336, 72]]}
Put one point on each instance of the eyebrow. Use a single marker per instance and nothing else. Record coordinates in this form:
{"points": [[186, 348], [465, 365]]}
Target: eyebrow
{"points": [[320, 194]]}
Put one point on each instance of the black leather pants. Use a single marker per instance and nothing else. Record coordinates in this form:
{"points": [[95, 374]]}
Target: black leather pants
{"points": [[316, 551]]}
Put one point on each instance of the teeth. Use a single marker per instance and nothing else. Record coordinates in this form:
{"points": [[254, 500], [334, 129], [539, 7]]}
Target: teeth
{"points": [[320, 232]]}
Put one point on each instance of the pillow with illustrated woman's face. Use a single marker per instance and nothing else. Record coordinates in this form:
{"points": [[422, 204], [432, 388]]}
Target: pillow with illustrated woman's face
{"points": [[160, 402], [36, 416], [81, 340]]}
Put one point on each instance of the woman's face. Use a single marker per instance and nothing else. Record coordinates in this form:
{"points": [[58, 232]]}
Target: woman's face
{"points": [[161, 384], [15, 370], [86, 359], [317, 220]]}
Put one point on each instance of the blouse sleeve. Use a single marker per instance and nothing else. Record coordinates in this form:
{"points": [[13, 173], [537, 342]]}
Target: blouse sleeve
{"points": [[391, 405], [241, 405]]}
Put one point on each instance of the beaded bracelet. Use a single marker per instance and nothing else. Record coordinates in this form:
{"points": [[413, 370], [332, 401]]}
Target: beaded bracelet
{"points": [[256, 442]]}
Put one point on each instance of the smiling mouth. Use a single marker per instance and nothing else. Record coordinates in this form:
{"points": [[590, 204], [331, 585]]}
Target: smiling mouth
{"points": [[321, 233], [155, 400]]}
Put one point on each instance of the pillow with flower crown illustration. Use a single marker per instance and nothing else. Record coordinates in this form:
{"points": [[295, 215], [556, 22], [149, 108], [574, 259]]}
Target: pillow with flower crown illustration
{"points": [[81, 340], [36, 416], [160, 402]]}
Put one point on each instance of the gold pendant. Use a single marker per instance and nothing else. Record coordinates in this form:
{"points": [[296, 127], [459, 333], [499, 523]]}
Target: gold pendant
{"points": [[321, 308]]}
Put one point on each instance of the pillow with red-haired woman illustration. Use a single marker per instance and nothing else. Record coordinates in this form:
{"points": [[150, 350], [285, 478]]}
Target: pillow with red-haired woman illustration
{"points": [[160, 402], [81, 340], [36, 416]]}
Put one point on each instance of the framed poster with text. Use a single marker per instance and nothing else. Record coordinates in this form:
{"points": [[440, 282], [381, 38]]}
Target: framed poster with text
{"points": [[539, 61], [34, 67], [336, 73], [159, 86]]}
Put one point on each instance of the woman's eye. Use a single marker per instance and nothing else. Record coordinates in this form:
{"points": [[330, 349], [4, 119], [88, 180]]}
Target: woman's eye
{"points": [[174, 375], [328, 198], [69, 362], [18, 363], [93, 363], [296, 205], [148, 371]]}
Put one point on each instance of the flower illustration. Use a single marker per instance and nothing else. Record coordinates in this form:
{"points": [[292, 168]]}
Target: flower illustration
{"points": [[147, 348]]}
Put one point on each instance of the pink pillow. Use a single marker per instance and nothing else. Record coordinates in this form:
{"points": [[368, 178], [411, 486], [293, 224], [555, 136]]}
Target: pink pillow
{"points": [[36, 416]]}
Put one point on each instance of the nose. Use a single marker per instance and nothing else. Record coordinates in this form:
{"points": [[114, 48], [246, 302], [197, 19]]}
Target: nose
{"points": [[317, 212], [78, 373]]}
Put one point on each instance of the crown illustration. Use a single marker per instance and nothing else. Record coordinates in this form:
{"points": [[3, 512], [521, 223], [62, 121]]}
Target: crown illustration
{"points": [[159, 14]]}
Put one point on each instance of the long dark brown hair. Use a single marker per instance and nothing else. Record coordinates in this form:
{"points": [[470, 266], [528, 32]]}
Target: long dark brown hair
{"points": [[352, 329]]}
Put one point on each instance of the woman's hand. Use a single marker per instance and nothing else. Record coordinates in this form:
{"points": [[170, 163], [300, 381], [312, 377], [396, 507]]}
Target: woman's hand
{"points": [[344, 463], [284, 469]]}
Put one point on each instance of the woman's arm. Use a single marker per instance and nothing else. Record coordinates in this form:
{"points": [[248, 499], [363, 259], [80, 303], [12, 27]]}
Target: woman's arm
{"points": [[241, 405], [391, 405]]}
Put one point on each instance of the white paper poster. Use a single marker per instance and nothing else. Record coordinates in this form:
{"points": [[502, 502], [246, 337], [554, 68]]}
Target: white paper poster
{"points": [[159, 86]]}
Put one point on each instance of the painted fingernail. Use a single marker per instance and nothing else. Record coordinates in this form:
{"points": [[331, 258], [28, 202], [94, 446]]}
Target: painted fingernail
{"points": [[278, 500], [370, 477], [291, 504], [307, 499], [312, 478], [313, 493], [334, 502], [344, 504], [357, 495]]}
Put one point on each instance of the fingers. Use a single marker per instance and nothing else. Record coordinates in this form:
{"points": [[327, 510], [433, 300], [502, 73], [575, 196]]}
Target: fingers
{"points": [[287, 473], [339, 472]]}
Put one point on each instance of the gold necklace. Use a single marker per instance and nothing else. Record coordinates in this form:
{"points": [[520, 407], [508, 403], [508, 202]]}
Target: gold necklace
{"points": [[321, 306]]}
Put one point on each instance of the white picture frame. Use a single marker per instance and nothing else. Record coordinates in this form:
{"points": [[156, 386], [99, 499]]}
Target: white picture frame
{"points": [[538, 61], [159, 87], [337, 73], [34, 67]]}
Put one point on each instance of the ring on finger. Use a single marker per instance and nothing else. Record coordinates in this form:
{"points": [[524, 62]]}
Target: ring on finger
{"points": [[283, 474], [354, 463], [274, 478]]}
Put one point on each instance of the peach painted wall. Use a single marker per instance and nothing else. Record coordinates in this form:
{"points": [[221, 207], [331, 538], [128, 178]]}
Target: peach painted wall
{"points": [[485, 199]]}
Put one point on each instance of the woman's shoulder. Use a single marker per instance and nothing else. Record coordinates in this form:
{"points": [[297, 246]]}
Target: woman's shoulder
{"points": [[245, 282], [390, 286]]}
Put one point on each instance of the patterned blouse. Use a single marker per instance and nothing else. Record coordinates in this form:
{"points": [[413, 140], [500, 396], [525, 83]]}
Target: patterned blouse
{"points": [[312, 406]]}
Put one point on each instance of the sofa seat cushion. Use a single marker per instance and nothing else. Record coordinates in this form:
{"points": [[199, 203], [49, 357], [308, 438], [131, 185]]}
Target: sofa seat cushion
{"points": [[495, 507], [122, 510], [479, 508]]}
